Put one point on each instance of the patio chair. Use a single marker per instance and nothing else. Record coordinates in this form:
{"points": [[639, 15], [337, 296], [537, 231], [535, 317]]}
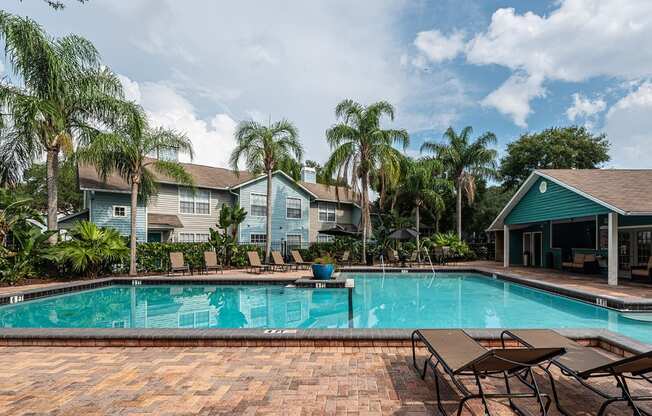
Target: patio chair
{"points": [[279, 263], [298, 260], [211, 263], [584, 263], [459, 355], [583, 363], [392, 257], [439, 255], [446, 254], [643, 272], [255, 263], [413, 260], [345, 258], [177, 264]]}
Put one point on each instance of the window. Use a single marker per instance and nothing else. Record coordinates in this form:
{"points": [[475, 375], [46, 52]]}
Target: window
{"points": [[643, 246], [323, 238], [198, 202], [119, 211], [258, 205], [201, 238], [294, 241], [293, 208], [258, 239], [326, 212], [186, 238]]}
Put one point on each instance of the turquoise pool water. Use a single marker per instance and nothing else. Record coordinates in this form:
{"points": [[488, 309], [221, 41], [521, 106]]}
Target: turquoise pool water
{"points": [[393, 301]]}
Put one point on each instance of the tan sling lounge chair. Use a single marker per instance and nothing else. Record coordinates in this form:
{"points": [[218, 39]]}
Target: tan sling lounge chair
{"points": [[177, 264], [392, 257], [643, 272], [459, 355], [211, 263], [298, 260], [346, 258], [583, 363], [279, 263], [255, 263]]}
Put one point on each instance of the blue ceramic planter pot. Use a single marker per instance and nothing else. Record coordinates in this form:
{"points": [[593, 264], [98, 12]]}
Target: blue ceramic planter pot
{"points": [[322, 271]]}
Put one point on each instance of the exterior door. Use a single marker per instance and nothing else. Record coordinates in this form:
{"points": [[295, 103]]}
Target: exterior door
{"points": [[154, 237]]}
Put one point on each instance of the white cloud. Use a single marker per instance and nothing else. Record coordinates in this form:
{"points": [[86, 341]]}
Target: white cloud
{"points": [[628, 126], [579, 40], [212, 140], [584, 107], [438, 47], [513, 97]]}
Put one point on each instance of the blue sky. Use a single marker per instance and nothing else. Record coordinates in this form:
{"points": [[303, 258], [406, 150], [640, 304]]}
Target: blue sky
{"points": [[506, 67]]}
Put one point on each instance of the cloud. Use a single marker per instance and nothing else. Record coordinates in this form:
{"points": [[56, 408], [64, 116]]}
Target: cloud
{"points": [[438, 47], [513, 97], [579, 40], [212, 140], [584, 107], [628, 126]]}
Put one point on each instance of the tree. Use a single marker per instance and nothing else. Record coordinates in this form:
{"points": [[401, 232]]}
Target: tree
{"points": [[555, 148], [125, 151], [360, 146], [70, 198], [465, 161], [64, 92], [423, 185], [58, 4], [263, 148]]}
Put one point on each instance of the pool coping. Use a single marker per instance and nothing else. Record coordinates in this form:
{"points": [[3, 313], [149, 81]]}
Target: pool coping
{"points": [[169, 337]]}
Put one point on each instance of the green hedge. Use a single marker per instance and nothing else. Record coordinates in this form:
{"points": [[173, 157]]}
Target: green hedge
{"points": [[155, 257]]}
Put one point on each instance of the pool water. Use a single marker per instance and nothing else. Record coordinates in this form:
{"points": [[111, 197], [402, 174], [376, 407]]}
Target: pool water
{"points": [[392, 301]]}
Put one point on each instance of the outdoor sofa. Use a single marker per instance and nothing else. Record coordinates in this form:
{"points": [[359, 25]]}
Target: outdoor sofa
{"points": [[584, 263], [583, 364]]}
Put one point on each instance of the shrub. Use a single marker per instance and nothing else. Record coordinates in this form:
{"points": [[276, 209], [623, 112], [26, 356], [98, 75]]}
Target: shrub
{"points": [[325, 260], [155, 257]]}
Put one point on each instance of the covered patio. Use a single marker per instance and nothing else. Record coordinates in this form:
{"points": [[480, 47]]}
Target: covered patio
{"points": [[580, 220]]}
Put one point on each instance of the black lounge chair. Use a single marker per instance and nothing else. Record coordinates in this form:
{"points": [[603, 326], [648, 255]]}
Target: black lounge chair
{"points": [[583, 363], [459, 355]]}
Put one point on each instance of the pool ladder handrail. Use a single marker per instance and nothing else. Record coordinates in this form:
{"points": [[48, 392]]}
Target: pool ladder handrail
{"points": [[432, 267]]}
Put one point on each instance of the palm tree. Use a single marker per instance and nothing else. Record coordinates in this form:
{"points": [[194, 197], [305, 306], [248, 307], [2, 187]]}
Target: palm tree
{"points": [[423, 184], [264, 148], [62, 92], [465, 161], [125, 151], [361, 147]]}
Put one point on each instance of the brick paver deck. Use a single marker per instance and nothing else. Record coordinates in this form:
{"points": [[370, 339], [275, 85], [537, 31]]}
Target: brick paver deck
{"points": [[215, 381]]}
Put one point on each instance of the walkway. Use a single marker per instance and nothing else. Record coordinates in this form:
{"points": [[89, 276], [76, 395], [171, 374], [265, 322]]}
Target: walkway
{"points": [[220, 381]]}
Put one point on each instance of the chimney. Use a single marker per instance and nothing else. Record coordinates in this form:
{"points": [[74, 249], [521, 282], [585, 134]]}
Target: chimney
{"points": [[308, 174]]}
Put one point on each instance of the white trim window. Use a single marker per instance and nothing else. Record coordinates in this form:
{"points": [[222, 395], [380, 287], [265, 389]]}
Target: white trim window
{"points": [[186, 237], [325, 238], [119, 211], [293, 241], [201, 237], [197, 202], [258, 239], [293, 208], [326, 212], [258, 205]]}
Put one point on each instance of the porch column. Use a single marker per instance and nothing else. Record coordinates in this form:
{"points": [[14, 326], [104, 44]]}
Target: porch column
{"points": [[612, 251], [505, 246]]}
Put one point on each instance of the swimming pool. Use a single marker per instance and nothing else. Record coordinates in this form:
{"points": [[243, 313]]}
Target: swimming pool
{"points": [[450, 300]]}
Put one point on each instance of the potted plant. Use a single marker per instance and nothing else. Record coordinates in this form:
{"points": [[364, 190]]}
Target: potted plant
{"points": [[323, 267]]}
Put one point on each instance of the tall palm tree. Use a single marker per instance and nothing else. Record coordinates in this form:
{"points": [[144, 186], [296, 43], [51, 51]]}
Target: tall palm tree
{"points": [[61, 92], [264, 149], [361, 147], [465, 161], [125, 151], [423, 184]]}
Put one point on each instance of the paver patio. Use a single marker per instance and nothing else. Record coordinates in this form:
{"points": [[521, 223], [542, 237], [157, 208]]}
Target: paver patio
{"points": [[214, 381]]}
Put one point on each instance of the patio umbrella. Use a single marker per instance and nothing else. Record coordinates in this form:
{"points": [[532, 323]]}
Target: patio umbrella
{"points": [[403, 234], [338, 231]]}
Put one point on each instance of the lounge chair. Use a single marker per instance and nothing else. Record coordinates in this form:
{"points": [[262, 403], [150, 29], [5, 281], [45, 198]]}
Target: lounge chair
{"points": [[459, 356], [439, 255], [346, 258], [211, 263], [255, 263], [643, 272], [279, 263], [177, 264], [413, 260], [583, 363], [298, 260], [392, 257]]}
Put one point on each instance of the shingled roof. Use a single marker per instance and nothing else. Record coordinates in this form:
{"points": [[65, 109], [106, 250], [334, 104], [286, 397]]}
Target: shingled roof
{"points": [[212, 178]]}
